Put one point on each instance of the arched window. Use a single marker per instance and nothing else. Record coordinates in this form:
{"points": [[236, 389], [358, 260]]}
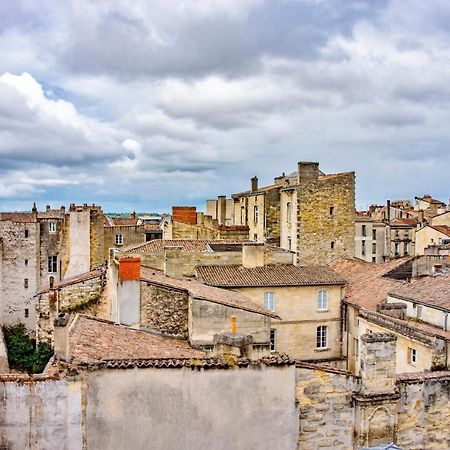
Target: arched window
{"points": [[322, 300]]}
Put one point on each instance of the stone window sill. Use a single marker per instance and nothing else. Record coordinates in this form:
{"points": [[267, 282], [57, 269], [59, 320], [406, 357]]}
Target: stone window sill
{"points": [[322, 349]]}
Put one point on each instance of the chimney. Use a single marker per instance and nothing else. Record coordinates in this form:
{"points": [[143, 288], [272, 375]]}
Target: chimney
{"points": [[388, 210], [397, 310], [308, 171], [129, 291], [133, 215], [34, 208], [63, 209], [222, 209], [254, 183], [47, 208], [378, 353], [252, 255], [173, 266], [61, 336], [233, 345]]}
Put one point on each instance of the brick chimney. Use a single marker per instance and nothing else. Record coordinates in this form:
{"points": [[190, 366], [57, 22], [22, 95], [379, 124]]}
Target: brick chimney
{"points": [[233, 345], [308, 171], [129, 291], [173, 267]]}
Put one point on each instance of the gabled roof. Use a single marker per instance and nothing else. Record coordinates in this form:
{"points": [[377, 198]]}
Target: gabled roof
{"points": [[404, 221], [429, 199], [203, 292], [431, 290], [73, 280], [270, 275], [444, 229]]}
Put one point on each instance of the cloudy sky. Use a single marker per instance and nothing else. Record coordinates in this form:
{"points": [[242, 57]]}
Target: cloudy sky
{"points": [[148, 103]]}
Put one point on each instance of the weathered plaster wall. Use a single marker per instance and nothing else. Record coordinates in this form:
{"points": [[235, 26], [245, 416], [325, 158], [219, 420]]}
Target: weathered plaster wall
{"points": [[213, 409], [40, 415], [19, 272], [132, 234], [79, 241]]}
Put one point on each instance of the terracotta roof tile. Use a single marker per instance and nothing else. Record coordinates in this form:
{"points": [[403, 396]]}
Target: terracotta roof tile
{"points": [[188, 245], [444, 229], [367, 287], [92, 339], [24, 217], [404, 221], [431, 290], [203, 292], [271, 275]]}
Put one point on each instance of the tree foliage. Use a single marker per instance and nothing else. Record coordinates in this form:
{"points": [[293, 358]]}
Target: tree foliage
{"points": [[23, 354]]}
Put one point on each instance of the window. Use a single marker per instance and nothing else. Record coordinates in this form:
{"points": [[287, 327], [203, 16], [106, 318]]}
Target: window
{"points": [[363, 248], [26, 262], [255, 214], [405, 248], [26, 233], [412, 356], [119, 239], [25, 283], [289, 212], [397, 234], [27, 313], [289, 243], [374, 247], [255, 237], [397, 249], [242, 215], [406, 234], [331, 210], [332, 245], [322, 337], [374, 234], [52, 264], [269, 300], [273, 340], [356, 347], [52, 227], [322, 300], [363, 230], [374, 259]]}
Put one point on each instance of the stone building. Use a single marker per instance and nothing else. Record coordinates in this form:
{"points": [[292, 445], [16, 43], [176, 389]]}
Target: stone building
{"points": [[306, 298], [431, 235], [181, 307], [371, 239], [307, 212], [187, 223]]}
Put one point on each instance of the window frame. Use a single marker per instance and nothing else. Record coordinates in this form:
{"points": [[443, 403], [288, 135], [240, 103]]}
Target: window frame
{"points": [[273, 340], [412, 356], [322, 300], [289, 212], [118, 239], [52, 264], [255, 214], [322, 337], [269, 300], [52, 227]]}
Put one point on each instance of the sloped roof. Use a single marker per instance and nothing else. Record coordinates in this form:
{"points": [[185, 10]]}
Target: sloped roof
{"points": [[203, 292], [189, 245], [444, 229], [431, 290], [270, 275], [93, 339], [24, 217], [366, 284]]}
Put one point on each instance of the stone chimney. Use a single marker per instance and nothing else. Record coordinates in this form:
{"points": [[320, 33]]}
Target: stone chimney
{"points": [[308, 171], [254, 183], [129, 291], [233, 345], [252, 255], [47, 208], [378, 353], [61, 337], [221, 209], [173, 267], [63, 209]]}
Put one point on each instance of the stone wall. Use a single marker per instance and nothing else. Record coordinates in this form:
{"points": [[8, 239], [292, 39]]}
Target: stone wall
{"points": [[82, 296], [97, 238], [325, 235], [132, 234], [164, 310]]}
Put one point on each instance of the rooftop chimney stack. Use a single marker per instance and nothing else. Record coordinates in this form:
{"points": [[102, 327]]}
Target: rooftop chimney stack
{"points": [[252, 255], [254, 182], [61, 337], [308, 171]]}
